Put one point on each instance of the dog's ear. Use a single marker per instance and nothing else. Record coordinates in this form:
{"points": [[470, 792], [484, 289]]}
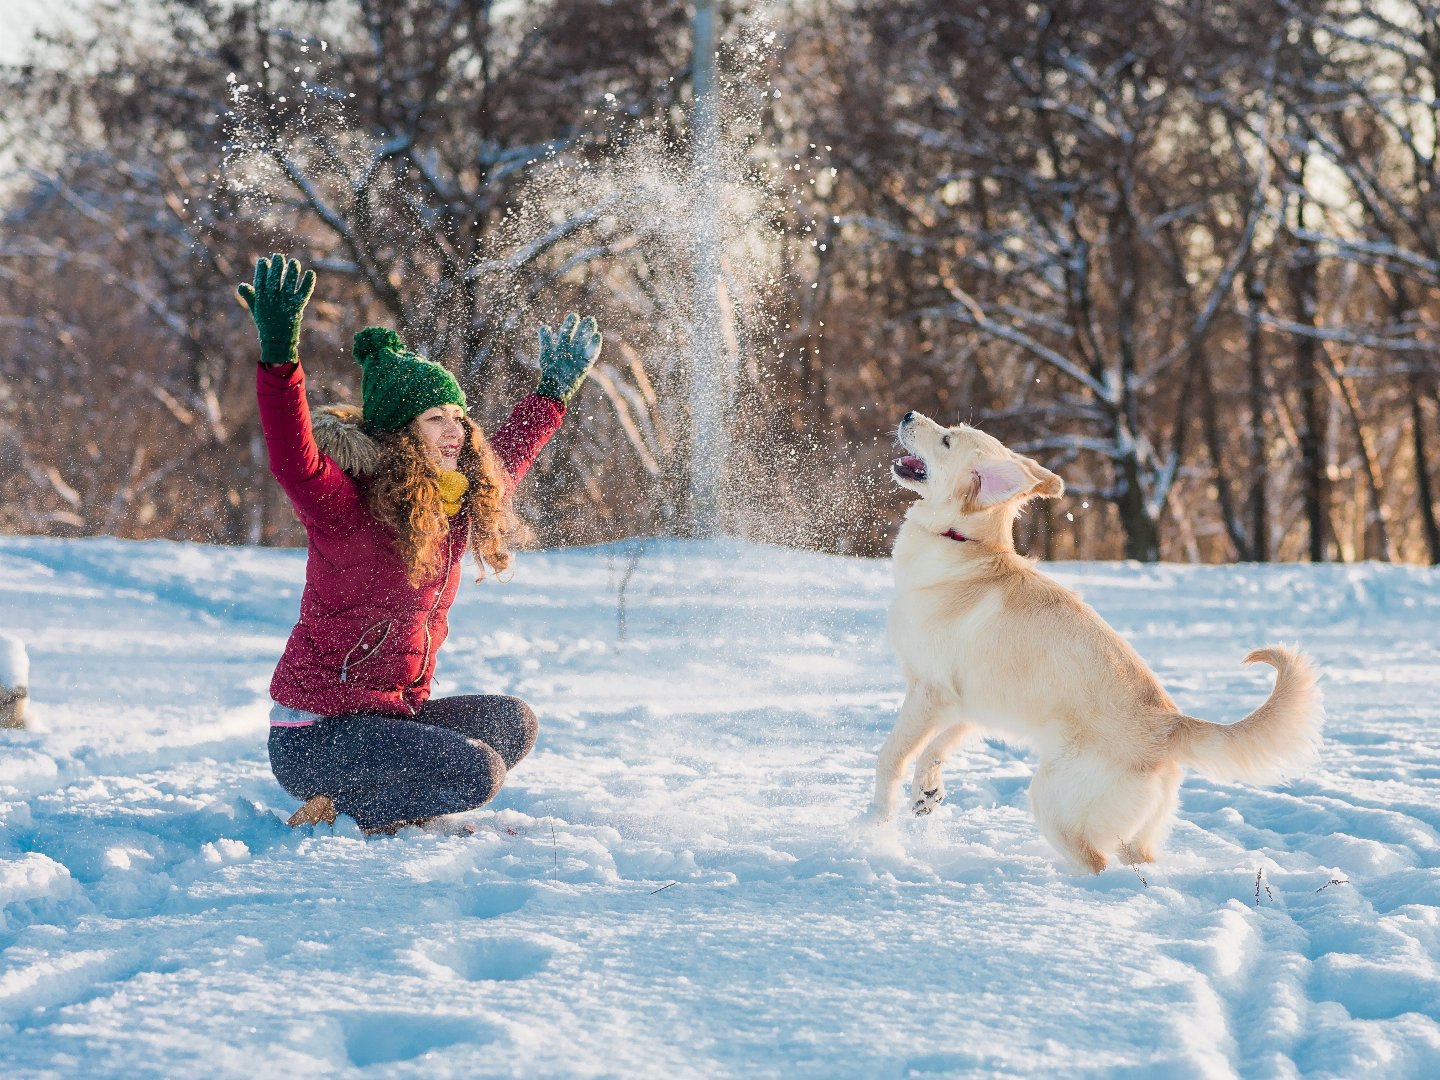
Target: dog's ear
{"points": [[1047, 484], [994, 480], [997, 480]]}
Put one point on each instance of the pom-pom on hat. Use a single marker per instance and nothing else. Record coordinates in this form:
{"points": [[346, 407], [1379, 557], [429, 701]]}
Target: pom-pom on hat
{"points": [[398, 385]]}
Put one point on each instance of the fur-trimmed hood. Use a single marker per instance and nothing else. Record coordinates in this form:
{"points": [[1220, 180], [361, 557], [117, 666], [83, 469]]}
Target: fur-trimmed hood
{"points": [[340, 437]]}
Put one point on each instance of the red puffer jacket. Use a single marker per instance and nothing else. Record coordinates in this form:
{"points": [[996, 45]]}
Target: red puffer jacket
{"points": [[366, 639]]}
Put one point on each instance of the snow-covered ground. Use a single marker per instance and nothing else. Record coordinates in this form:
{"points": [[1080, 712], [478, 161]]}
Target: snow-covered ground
{"points": [[672, 884]]}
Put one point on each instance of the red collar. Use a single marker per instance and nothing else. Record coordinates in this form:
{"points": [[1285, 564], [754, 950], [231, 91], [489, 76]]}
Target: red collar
{"points": [[953, 535]]}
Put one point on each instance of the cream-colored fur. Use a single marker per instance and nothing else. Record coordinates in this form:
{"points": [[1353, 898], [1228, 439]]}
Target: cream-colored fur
{"points": [[989, 645]]}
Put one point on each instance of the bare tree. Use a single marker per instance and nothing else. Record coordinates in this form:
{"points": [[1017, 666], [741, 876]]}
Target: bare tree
{"points": [[1362, 97], [1186, 253]]}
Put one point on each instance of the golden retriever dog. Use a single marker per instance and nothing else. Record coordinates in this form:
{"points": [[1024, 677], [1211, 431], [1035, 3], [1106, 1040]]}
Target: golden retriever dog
{"points": [[988, 645]]}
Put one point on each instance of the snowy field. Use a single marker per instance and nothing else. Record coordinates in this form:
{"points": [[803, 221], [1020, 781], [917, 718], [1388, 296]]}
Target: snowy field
{"points": [[672, 884]]}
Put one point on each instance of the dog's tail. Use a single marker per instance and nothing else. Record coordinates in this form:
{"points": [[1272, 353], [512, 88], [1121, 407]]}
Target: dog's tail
{"points": [[1278, 739]]}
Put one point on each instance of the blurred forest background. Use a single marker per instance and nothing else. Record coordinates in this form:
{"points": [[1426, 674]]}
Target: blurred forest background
{"points": [[1185, 252]]}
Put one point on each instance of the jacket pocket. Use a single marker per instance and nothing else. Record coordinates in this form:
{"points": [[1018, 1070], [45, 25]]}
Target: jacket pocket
{"points": [[368, 645]]}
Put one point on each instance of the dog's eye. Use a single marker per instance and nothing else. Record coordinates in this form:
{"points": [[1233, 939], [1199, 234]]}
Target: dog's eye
{"points": [[945, 442]]}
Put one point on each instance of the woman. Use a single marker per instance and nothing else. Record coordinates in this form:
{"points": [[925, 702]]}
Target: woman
{"points": [[391, 495]]}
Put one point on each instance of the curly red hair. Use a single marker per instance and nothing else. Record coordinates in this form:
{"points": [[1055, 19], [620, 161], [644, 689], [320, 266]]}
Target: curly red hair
{"points": [[405, 495]]}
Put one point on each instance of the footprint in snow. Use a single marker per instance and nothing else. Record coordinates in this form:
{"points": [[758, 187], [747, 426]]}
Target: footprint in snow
{"points": [[488, 901], [492, 959], [380, 1038]]}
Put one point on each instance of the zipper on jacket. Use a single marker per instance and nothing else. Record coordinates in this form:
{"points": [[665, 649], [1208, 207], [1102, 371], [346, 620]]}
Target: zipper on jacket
{"points": [[444, 580], [368, 650]]}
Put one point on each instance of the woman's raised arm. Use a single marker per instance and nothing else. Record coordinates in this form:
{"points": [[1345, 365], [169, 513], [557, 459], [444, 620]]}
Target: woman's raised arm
{"points": [[566, 357], [276, 299]]}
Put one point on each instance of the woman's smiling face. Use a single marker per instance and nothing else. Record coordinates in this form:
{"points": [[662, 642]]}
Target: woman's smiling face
{"points": [[443, 430]]}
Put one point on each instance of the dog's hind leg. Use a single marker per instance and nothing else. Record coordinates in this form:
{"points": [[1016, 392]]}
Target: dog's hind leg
{"points": [[918, 718], [1151, 835], [1087, 806], [1053, 803], [927, 790]]}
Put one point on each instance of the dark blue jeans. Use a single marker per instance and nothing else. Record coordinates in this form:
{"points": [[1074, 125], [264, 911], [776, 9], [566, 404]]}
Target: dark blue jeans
{"points": [[386, 770]]}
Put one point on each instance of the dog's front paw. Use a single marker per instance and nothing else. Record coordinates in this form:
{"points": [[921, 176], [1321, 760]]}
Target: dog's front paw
{"points": [[927, 800]]}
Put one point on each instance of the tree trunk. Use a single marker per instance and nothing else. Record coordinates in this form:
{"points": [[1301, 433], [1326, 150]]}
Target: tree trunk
{"points": [[1142, 532], [1376, 538], [1423, 492], [1215, 442], [1259, 503], [1304, 288], [1418, 380]]}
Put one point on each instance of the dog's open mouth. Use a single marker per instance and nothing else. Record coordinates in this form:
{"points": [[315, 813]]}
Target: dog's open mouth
{"points": [[909, 468]]}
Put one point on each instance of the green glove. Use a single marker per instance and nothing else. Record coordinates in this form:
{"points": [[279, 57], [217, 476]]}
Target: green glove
{"points": [[567, 357], [276, 301]]}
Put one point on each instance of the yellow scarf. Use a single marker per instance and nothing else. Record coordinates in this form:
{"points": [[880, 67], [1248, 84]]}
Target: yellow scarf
{"points": [[453, 487]]}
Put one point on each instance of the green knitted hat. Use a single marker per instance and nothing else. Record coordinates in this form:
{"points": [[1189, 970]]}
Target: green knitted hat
{"points": [[397, 385]]}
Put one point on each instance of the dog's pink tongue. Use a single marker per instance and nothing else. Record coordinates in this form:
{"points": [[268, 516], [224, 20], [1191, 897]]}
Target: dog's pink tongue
{"points": [[913, 463]]}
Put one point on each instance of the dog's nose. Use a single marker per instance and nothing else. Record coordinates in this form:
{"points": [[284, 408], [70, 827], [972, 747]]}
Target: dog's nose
{"points": [[908, 417]]}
